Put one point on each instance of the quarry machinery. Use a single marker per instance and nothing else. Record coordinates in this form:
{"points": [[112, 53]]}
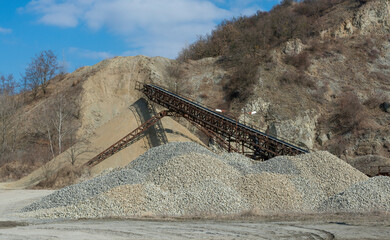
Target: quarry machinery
{"points": [[229, 133]]}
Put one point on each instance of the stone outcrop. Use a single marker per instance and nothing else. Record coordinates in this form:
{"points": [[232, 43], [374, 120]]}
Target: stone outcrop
{"points": [[109, 87], [372, 17], [300, 131], [293, 47]]}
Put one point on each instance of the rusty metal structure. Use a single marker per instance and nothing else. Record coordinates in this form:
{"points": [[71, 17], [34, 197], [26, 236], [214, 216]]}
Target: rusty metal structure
{"points": [[144, 110], [234, 135], [230, 134], [134, 136]]}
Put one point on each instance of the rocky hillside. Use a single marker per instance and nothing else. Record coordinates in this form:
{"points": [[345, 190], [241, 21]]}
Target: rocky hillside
{"points": [[320, 85]]}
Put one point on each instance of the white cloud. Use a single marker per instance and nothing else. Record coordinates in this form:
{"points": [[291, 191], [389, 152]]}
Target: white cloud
{"points": [[168, 41], [88, 54], [153, 27], [63, 14], [123, 16], [5, 30]]}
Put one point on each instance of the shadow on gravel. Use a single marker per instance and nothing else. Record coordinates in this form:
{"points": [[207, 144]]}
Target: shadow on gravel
{"points": [[340, 223], [10, 224], [143, 111]]}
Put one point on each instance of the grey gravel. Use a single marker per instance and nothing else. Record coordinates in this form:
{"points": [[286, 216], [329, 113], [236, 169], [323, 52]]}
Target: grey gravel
{"points": [[369, 196], [134, 173], [187, 180], [157, 156], [85, 190], [281, 165]]}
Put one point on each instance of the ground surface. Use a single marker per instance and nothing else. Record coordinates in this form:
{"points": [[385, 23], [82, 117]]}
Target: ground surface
{"points": [[293, 227]]}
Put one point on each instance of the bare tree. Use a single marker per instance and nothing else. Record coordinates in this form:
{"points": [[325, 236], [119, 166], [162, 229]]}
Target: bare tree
{"points": [[77, 148], [44, 127], [8, 107], [48, 172], [7, 85], [55, 123], [176, 82], [42, 68], [61, 113]]}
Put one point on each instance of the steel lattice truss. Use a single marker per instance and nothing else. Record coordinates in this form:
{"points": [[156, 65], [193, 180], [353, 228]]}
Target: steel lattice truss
{"points": [[230, 134], [239, 137], [128, 139]]}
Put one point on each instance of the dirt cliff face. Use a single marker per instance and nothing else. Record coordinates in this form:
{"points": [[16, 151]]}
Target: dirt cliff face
{"points": [[104, 96], [110, 87]]}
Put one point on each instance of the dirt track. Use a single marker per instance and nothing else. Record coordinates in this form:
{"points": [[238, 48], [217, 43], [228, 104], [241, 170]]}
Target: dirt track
{"points": [[293, 227], [114, 229]]}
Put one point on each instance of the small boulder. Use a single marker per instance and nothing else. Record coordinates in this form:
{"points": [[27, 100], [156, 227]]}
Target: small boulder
{"points": [[293, 47], [75, 82], [329, 135], [385, 106], [322, 139]]}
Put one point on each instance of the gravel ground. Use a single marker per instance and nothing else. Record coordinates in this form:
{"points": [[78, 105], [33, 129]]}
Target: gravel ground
{"points": [[187, 180], [297, 226]]}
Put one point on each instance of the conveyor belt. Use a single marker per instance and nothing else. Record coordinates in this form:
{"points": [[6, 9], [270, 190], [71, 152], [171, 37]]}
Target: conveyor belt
{"points": [[262, 145], [231, 134]]}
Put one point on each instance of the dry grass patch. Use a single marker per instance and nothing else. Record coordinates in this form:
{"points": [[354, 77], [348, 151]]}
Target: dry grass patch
{"points": [[66, 176]]}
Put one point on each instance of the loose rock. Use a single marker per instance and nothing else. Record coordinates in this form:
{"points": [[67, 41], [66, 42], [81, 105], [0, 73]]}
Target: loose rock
{"points": [[187, 180]]}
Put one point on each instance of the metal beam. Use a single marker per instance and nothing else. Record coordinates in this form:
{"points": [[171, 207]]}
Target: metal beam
{"points": [[127, 140], [262, 145]]}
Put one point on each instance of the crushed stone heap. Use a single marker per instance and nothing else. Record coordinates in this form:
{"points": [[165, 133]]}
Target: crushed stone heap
{"points": [[187, 180]]}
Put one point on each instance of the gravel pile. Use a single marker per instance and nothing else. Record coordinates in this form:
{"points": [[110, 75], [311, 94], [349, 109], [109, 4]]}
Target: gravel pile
{"points": [[316, 176], [368, 196], [134, 173], [187, 180], [85, 190]]}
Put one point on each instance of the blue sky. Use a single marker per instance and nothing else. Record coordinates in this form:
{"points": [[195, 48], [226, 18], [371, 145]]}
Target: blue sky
{"points": [[84, 32]]}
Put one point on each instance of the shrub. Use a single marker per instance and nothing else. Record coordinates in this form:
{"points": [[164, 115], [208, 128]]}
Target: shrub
{"points": [[381, 77], [244, 42], [14, 171], [338, 146], [65, 176], [370, 48], [175, 71], [374, 100], [317, 8], [241, 84], [348, 113], [296, 78], [319, 94], [300, 61]]}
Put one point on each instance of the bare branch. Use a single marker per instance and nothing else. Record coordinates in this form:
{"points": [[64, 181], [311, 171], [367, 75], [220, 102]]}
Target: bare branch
{"points": [[41, 69], [8, 106], [77, 148]]}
